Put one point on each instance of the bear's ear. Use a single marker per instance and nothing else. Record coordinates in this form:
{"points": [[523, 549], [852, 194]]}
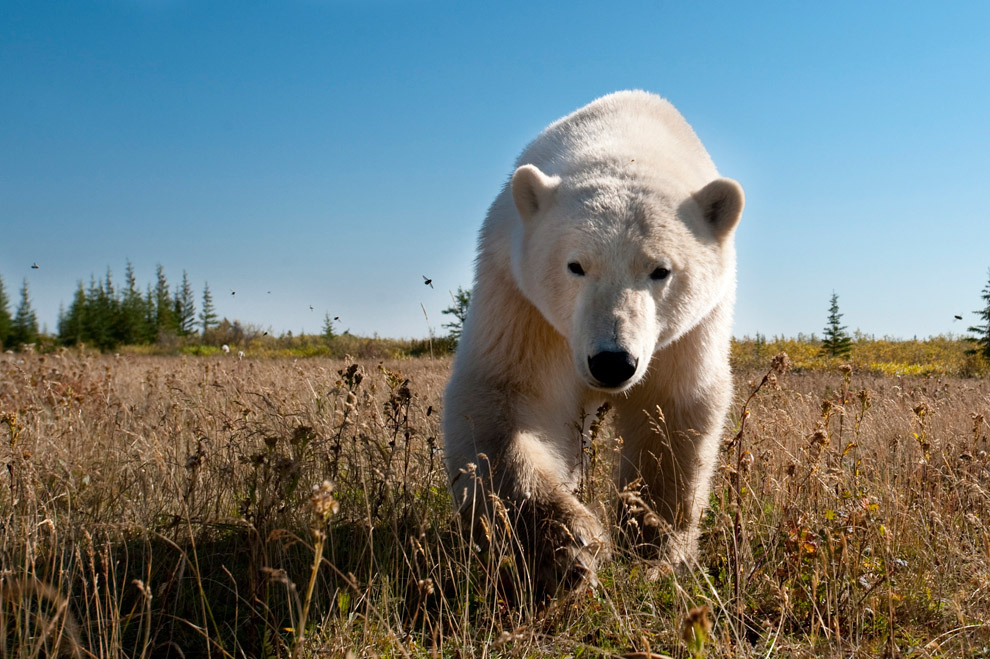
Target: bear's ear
{"points": [[532, 190], [721, 203]]}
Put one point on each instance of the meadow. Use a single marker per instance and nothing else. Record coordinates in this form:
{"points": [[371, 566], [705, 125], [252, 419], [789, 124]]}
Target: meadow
{"points": [[216, 506]]}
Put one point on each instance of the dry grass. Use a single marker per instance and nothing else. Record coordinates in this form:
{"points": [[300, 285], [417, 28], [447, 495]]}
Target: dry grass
{"points": [[936, 355], [156, 506]]}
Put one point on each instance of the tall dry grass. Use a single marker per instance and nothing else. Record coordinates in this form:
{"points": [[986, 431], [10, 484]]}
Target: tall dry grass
{"points": [[155, 506]]}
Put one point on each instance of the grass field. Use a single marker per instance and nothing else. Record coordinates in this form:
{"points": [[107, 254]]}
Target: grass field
{"points": [[165, 506]]}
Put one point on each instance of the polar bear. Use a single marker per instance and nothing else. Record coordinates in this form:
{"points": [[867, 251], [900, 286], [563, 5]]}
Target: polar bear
{"points": [[606, 271]]}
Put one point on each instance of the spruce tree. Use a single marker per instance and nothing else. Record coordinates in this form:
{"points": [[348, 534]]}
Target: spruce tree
{"points": [[982, 332], [114, 320], [151, 316], [133, 315], [24, 329], [5, 319], [98, 318], [72, 324], [164, 318], [185, 307], [329, 331], [458, 310], [208, 316], [837, 342]]}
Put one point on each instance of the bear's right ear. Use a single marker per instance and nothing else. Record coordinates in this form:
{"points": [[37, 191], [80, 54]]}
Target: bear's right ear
{"points": [[532, 190], [721, 203]]}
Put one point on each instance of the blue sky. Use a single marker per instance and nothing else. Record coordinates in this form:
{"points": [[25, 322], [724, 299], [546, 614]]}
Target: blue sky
{"points": [[334, 153]]}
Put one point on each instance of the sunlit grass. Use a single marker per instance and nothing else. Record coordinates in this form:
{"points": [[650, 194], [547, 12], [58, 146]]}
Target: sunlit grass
{"points": [[932, 356], [165, 506]]}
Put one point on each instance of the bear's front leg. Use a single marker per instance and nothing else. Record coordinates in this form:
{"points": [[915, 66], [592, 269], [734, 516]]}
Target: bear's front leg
{"points": [[670, 454], [521, 479], [563, 541]]}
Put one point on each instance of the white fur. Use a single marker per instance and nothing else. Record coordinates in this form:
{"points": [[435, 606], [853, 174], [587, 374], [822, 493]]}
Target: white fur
{"points": [[621, 187]]}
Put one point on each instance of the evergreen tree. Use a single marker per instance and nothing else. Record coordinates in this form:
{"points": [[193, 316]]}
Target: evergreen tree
{"points": [[837, 342], [184, 308], [982, 332], [151, 316], [164, 317], [114, 319], [98, 322], [72, 324], [60, 319], [208, 316], [458, 310], [5, 319], [24, 329], [133, 315], [329, 332]]}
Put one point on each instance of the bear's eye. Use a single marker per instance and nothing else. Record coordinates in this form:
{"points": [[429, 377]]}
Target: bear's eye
{"points": [[575, 268], [659, 273]]}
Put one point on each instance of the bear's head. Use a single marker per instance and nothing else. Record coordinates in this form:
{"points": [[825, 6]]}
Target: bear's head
{"points": [[622, 266]]}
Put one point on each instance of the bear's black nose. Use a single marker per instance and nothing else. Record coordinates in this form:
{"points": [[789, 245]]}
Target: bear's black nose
{"points": [[612, 368]]}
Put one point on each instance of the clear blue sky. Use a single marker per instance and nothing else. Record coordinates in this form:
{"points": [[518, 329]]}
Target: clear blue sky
{"points": [[333, 153]]}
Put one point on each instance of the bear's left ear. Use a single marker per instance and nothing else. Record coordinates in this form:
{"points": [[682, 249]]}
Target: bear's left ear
{"points": [[721, 203], [532, 190]]}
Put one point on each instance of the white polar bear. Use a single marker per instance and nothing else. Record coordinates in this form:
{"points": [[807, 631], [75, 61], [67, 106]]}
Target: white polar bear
{"points": [[606, 270]]}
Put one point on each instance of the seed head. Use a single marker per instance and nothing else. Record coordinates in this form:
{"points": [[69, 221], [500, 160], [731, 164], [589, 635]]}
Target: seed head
{"points": [[425, 586], [781, 363], [865, 399], [695, 630], [324, 505]]}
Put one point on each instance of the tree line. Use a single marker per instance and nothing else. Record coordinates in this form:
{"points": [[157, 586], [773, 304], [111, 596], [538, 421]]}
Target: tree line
{"points": [[105, 315]]}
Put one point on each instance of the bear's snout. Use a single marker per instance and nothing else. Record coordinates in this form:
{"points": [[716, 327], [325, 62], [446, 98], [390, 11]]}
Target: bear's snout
{"points": [[612, 369]]}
